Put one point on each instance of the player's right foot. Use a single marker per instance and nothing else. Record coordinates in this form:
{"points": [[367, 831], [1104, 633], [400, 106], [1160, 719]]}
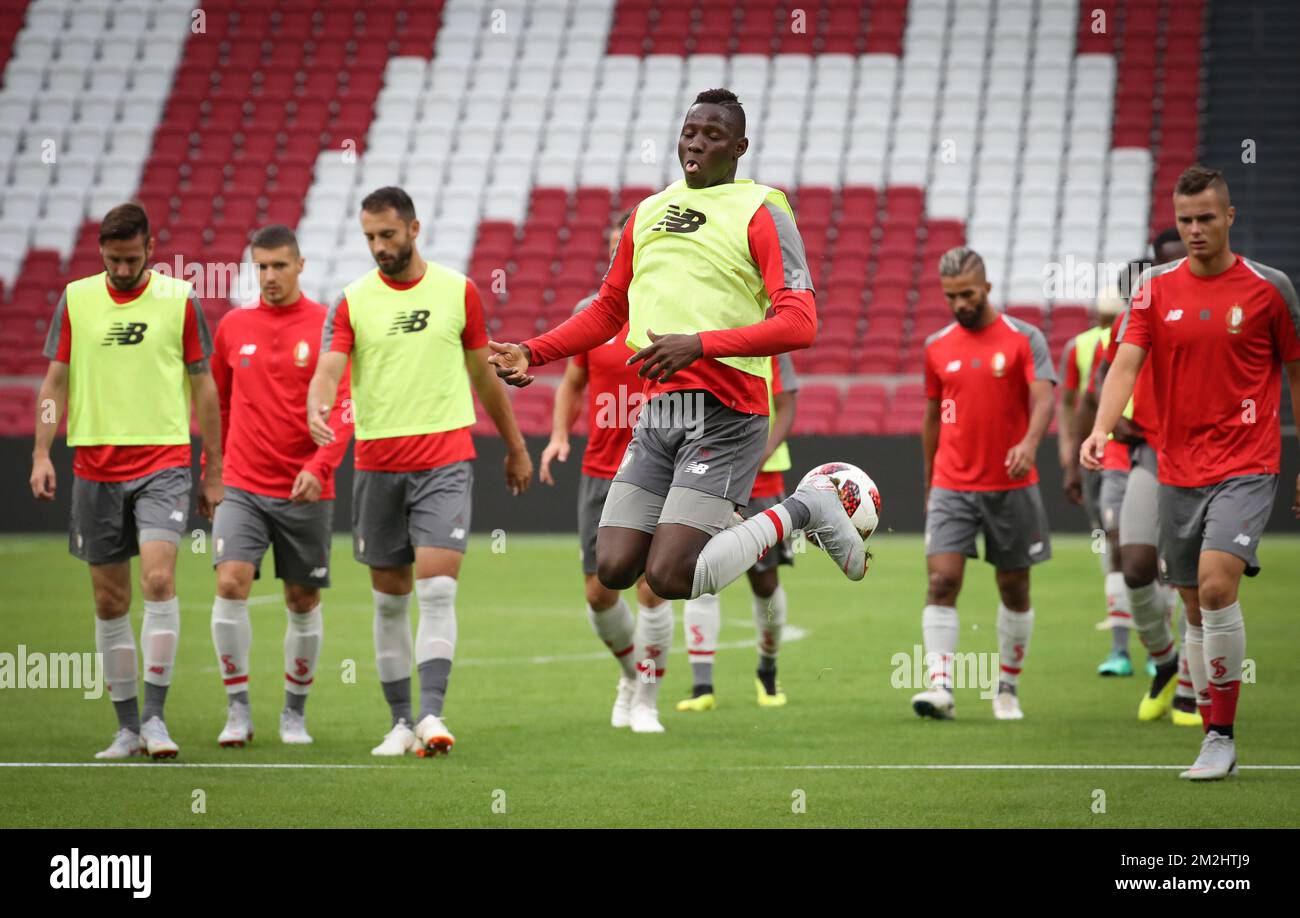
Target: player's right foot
{"points": [[621, 716], [432, 737], [1006, 705], [1218, 759], [1184, 713], [1117, 663], [769, 699], [1154, 707], [156, 741], [126, 743], [293, 729], [934, 702], [829, 526], [239, 727], [705, 702], [398, 741], [645, 719]]}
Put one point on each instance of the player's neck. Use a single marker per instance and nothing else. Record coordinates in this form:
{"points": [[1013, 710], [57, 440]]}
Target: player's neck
{"points": [[292, 299], [1215, 264], [414, 270]]}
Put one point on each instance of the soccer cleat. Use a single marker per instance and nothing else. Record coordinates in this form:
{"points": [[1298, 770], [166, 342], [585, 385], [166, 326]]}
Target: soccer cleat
{"points": [[1117, 663], [432, 737], [1184, 713], [829, 526], [126, 743], [1218, 759], [1006, 706], [397, 741], [1155, 708], [698, 703], [645, 719], [936, 702], [621, 716], [239, 727], [156, 741], [293, 729], [769, 701]]}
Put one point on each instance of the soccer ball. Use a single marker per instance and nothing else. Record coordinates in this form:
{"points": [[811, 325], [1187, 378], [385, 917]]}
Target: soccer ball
{"points": [[858, 494]]}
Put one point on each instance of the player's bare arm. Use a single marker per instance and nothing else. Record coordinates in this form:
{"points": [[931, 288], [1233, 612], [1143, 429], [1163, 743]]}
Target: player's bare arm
{"points": [[519, 465], [1115, 393], [666, 354], [568, 404], [51, 404], [321, 393], [511, 362], [929, 442], [1020, 458], [207, 411]]}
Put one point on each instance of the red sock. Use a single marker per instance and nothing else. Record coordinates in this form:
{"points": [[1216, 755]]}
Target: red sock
{"points": [[1204, 710], [1223, 702]]}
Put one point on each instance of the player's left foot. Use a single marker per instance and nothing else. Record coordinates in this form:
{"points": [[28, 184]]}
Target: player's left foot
{"points": [[704, 702], [126, 743], [1117, 663], [1218, 759], [829, 526], [1154, 707], [293, 729], [936, 702], [432, 737], [156, 741], [239, 727], [397, 741], [645, 719], [766, 699], [1151, 668], [621, 716], [1006, 705], [1184, 713]]}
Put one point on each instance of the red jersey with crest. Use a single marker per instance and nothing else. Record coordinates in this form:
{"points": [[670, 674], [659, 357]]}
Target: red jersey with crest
{"points": [[615, 394]]}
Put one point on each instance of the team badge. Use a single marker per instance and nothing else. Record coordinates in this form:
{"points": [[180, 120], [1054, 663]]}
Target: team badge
{"points": [[301, 353], [999, 364], [1236, 315]]}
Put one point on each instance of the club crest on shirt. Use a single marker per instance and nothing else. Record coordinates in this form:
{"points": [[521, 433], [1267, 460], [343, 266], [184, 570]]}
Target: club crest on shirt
{"points": [[301, 353], [999, 364], [1236, 315]]}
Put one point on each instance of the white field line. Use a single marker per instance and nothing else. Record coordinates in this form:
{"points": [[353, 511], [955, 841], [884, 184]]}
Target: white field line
{"points": [[1004, 767]]}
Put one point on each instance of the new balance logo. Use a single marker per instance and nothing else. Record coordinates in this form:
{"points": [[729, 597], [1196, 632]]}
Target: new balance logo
{"points": [[319, 571], [953, 366], [697, 468], [407, 322], [248, 350], [1242, 539], [1174, 315], [679, 220], [125, 333], [458, 533]]}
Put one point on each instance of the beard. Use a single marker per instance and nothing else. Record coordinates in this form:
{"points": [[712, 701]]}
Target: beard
{"points": [[131, 284], [399, 262], [971, 318]]}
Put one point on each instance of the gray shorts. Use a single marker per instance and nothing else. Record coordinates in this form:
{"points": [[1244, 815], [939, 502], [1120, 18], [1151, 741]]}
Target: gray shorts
{"points": [[246, 524], [1139, 515], [1229, 516], [1092, 496], [393, 513], [1110, 497], [591, 502], [111, 518], [1013, 522], [781, 552]]}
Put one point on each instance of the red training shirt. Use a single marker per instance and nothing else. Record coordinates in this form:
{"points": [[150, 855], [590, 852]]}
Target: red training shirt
{"points": [[614, 398], [772, 484]]}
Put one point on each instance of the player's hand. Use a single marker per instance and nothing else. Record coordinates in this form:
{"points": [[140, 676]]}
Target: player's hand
{"points": [[211, 493], [1126, 432], [43, 478], [306, 488], [519, 471], [1074, 484], [1020, 459], [318, 422], [666, 354], [1090, 452], [556, 450], [511, 362]]}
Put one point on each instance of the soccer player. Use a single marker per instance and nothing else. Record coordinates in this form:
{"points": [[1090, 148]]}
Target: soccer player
{"points": [[696, 269], [1215, 326], [279, 484], [416, 336], [128, 351], [702, 617], [1099, 492], [611, 386], [988, 381]]}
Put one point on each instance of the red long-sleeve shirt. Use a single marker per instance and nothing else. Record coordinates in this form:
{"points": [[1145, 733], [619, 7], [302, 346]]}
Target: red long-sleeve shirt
{"points": [[262, 363], [793, 325]]}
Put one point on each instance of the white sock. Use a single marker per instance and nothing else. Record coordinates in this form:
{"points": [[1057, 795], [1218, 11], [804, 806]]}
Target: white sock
{"points": [[1194, 656], [159, 634], [303, 636], [1150, 609], [614, 626], [653, 639], [232, 635], [733, 551], [1185, 688], [769, 620], [1117, 595], [701, 622], [1014, 629], [1225, 645], [435, 636], [939, 630], [392, 636], [113, 639]]}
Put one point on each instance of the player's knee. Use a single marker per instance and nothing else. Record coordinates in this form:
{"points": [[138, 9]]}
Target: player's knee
{"points": [[1216, 591], [599, 597], [615, 574], [157, 584], [231, 586], [669, 578], [763, 583], [645, 596], [111, 602], [1014, 596], [301, 598], [943, 588]]}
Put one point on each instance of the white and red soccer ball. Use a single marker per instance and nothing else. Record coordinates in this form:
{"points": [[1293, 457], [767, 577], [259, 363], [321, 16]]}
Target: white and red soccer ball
{"points": [[858, 494]]}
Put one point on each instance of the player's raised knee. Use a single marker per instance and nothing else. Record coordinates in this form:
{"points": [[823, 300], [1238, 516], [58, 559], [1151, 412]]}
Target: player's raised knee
{"points": [[616, 574], [669, 579]]}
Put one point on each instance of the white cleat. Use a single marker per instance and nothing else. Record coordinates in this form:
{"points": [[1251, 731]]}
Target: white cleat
{"points": [[432, 737], [645, 719], [398, 741], [125, 744], [622, 713], [239, 727], [829, 526], [1218, 759], [293, 729], [1006, 706], [156, 741], [936, 702]]}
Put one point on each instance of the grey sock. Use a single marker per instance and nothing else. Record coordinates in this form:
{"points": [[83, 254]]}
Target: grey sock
{"points": [[799, 512], [154, 698], [702, 673], [241, 697], [1119, 639], [295, 702], [128, 714], [434, 676], [398, 695]]}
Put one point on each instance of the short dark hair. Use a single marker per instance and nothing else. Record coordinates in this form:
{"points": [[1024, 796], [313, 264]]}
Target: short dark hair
{"points": [[727, 99], [275, 236], [389, 197], [1196, 179], [124, 222]]}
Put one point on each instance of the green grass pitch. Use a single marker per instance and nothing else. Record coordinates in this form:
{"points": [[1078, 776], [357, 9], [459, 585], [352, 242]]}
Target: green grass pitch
{"points": [[531, 691]]}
